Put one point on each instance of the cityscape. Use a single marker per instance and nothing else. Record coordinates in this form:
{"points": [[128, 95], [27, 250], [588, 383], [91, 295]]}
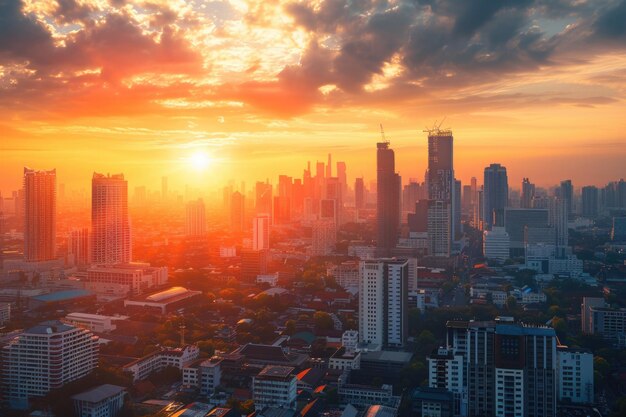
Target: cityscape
{"points": [[300, 225]]}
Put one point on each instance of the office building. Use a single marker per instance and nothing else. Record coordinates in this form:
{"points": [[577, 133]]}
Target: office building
{"points": [[558, 219], [102, 401], [94, 322], [275, 386], [575, 375], [496, 244], [195, 220], [383, 302], [39, 215], [263, 191], [79, 247], [456, 213], [261, 232], [442, 193], [551, 259], [46, 357], [618, 229], [388, 199], [528, 194], [204, 374], [253, 263], [495, 195], [359, 193], [124, 279], [516, 220], [566, 193], [591, 200], [585, 312], [110, 225]]}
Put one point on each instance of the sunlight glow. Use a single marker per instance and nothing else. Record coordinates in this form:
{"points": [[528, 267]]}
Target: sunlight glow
{"points": [[199, 161]]}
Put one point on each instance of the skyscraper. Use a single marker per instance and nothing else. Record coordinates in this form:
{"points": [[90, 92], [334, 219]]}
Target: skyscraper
{"points": [[590, 202], [39, 215], [566, 193], [387, 200], [261, 232], [359, 193], [383, 308], [237, 211], [343, 178], [528, 193], [558, 219], [263, 192], [441, 192], [456, 214], [110, 225], [495, 194], [195, 220]]}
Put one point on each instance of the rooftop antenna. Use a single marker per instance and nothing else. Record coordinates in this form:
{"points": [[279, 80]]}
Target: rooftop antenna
{"points": [[182, 335]]}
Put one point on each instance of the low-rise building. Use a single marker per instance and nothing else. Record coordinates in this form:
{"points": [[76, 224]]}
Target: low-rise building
{"points": [[204, 374], [345, 359], [164, 301], [366, 395], [275, 386], [102, 401], [94, 322], [179, 357]]}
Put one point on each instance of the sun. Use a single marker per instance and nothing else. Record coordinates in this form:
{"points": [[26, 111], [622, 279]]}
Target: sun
{"points": [[199, 161]]}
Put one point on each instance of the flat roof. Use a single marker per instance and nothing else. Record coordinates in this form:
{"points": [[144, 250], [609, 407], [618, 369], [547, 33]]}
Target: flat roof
{"points": [[49, 327], [62, 295], [518, 330], [386, 356], [99, 393], [276, 371]]}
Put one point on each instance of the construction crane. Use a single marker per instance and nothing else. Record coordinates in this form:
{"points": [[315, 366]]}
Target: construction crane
{"points": [[382, 133], [436, 129]]}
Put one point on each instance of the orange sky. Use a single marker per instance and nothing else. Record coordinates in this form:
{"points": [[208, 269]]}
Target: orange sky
{"points": [[262, 87]]}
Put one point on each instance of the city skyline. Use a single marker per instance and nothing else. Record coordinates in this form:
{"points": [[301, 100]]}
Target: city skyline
{"points": [[535, 87]]}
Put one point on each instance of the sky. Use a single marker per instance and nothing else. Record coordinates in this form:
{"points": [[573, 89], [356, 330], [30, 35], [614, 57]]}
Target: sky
{"points": [[208, 91]]}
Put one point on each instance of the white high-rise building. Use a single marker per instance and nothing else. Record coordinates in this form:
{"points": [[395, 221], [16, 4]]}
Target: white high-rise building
{"points": [[575, 375], [383, 302], [496, 244], [46, 357], [195, 221], [446, 369], [39, 215], [261, 232], [110, 225], [79, 247]]}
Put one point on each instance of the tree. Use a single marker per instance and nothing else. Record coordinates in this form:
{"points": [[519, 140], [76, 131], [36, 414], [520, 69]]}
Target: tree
{"points": [[290, 327], [323, 321]]}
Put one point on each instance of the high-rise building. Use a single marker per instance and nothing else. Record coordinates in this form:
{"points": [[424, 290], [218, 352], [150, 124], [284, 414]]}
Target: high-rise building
{"points": [[618, 230], [46, 357], [441, 192], [324, 237], [343, 177], [388, 199], [566, 193], [264, 199], [510, 369], [359, 193], [261, 232], [558, 219], [496, 244], [79, 247], [275, 386], [195, 221], [110, 225], [39, 215], [590, 197], [383, 302], [456, 212], [575, 375], [495, 195], [237, 211], [528, 193], [516, 220], [466, 201]]}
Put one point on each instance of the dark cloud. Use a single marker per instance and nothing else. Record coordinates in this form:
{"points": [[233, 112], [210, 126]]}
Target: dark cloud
{"points": [[21, 37], [612, 22], [72, 11]]}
